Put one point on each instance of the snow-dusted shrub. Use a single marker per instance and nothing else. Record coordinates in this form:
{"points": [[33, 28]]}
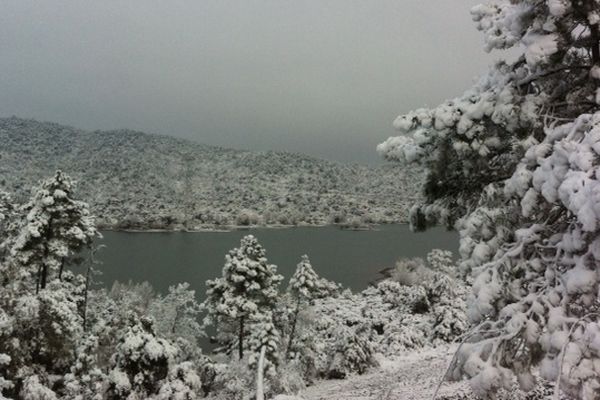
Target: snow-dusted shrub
{"points": [[234, 381], [289, 378], [145, 366], [133, 297], [403, 333], [441, 261], [408, 299], [248, 217], [35, 388], [86, 379], [353, 352], [177, 314], [409, 272], [38, 333]]}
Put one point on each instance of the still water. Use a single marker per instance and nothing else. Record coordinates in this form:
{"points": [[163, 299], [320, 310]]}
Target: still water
{"points": [[352, 258]]}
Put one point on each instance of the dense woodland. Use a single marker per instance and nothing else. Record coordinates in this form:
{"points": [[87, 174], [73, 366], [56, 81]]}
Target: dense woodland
{"points": [[63, 338], [513, 164], [137, 181]]}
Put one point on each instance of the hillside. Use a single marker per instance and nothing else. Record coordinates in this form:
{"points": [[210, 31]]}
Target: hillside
{"points": [[134, 180]]}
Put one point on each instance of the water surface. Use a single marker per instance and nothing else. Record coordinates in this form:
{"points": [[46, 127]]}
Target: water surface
{"points": [[352, 258]]}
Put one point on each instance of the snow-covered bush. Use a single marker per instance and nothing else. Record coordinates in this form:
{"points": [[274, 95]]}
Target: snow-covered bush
{"points": [[441, 261], [145, 366], [353, 352], [410, 271], [513, 163], [38, 335], [177, 314]]}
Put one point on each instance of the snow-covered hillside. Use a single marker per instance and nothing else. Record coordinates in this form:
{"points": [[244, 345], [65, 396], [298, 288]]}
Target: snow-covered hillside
{"points": [[134, 180]]}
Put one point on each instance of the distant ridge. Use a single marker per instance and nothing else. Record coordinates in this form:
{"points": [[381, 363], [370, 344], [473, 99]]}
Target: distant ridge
{"points": [[135, 180]]}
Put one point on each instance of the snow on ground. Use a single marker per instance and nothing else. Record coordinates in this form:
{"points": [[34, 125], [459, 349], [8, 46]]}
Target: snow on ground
{"points": [[413, 376]]}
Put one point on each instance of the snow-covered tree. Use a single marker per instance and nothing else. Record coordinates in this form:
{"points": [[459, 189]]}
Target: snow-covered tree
{"points": [[512, 164], [249, 286], [264, 333], [302, 287], [55, 228], [8, 216], [38, 334]]}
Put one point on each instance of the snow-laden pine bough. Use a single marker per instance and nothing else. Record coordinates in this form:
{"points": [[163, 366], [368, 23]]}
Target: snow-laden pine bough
{"points": [[513, 164]]}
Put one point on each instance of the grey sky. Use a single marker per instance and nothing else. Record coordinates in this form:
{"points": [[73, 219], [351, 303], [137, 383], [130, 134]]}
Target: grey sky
{"points": [[320, 77]]}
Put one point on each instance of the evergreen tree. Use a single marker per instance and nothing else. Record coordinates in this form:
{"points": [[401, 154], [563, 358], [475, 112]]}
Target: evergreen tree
{"points": [[264, 333], [249, 286], [55, 228], [512, 164], [303, 286], [8, 216]]}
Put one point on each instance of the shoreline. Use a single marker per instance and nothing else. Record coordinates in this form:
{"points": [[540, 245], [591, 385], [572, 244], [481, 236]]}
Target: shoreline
{"points": [[231, 228]]}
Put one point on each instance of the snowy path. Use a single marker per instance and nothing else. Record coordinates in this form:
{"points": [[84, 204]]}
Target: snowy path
{"points": [[410, 377]]}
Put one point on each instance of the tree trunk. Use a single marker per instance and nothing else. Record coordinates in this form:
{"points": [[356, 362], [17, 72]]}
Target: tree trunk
{"points": [[62, 266], [241, 339], [595, 37], [38, 278], [44, 276], [87, 288], [289, 346], [260, 391]]}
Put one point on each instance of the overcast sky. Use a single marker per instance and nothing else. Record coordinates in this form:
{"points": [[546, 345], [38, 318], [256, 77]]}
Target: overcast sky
{"points": [[325, 78]]}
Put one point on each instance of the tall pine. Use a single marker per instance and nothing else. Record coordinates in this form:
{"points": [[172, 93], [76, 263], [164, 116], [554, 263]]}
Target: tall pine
{"points": [[247, 289], [54, 229]]}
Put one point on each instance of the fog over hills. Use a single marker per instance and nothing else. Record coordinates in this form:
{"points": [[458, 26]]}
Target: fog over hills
{"points": [[134, 180]]}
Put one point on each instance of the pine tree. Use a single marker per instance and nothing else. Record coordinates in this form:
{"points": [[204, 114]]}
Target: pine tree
{"points": [[8, 217], [512, 165], [303, 286], [264, 333], [249, 286], [55, 228]]}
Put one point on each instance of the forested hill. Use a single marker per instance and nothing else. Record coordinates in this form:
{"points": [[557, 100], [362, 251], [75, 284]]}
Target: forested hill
{"points": [[134, 180]]}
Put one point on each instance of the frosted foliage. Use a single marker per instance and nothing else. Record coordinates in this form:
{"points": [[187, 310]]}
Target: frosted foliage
{"points": [[305, 284], [513, 165], [55, 228], [177, 314], [145, 367], [33, 389], [247, 289], [248, 282], [264, 333], [174, 184], [305, 280]]}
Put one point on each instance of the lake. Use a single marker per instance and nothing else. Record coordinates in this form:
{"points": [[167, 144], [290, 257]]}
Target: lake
{"points": [[352, 258]]}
